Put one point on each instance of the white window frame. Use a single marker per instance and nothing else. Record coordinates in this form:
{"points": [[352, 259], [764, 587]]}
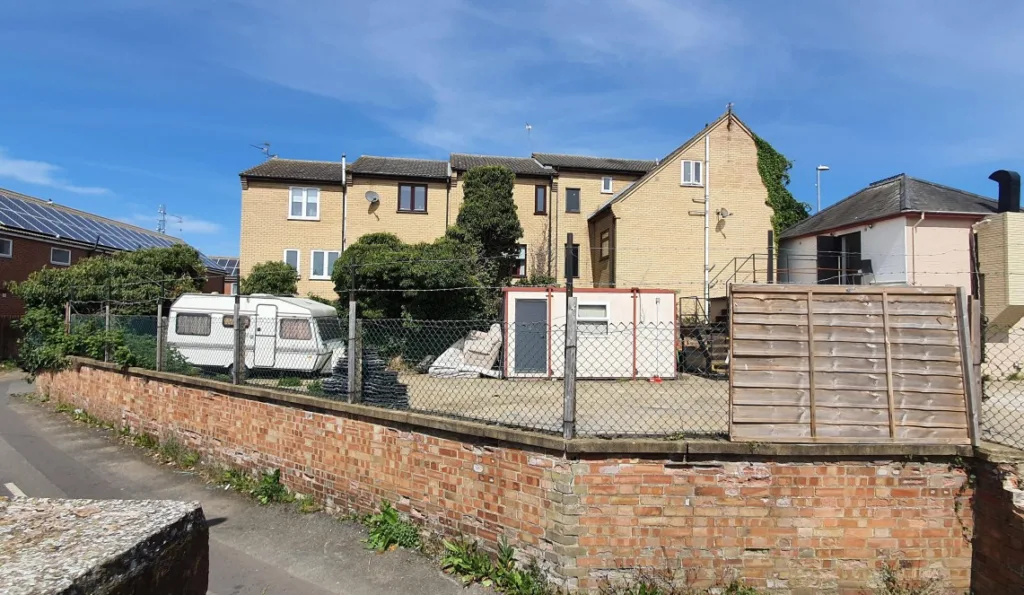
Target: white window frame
{"points": [[522, 253], [607, 183], [9, 252], [699, 181], [298, 260], [327, 271], [305, 203], [58, 262], [582, 320]]}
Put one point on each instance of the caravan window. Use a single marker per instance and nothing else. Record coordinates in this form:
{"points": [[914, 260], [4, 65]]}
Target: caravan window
{"points": [[330, 328], [229, 321], [296, 329], [192, 324]]}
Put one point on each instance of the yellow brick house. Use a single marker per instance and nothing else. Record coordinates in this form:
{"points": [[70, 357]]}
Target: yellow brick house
{"points": [[636, 223]]}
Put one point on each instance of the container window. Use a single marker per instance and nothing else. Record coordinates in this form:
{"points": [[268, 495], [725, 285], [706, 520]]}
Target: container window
{"points": [[192, 324], [296, 329]]}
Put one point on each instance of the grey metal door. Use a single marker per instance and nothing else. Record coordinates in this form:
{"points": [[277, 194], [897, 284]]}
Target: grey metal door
{"points": [[531, 336]]}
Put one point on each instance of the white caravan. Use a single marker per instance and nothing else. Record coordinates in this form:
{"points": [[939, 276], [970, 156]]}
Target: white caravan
{"points": [[281, 333]]}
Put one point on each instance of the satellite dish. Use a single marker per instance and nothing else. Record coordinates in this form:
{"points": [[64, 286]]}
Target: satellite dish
{"points": [[723, 212], [372, 196]]}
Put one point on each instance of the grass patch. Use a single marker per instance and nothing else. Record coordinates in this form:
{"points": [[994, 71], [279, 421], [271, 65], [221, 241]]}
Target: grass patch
{"points": [[144, 440], [176, 452], [388, 530], [667, 582], [306, 504], [315, 388], [289, 382], [8, 365]]}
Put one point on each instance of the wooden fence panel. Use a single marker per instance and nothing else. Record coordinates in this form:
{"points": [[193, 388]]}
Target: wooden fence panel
{"points": [[848, 364]]}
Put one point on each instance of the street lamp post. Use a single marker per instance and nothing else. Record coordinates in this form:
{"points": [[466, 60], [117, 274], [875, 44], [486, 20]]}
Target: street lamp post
{"points": [[817, 183]]}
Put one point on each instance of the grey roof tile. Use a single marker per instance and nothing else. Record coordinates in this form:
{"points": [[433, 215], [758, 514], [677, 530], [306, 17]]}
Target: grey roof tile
{"points": [[892, 196], [296, 169], [560, 161], [400, 166], [522, 166]]}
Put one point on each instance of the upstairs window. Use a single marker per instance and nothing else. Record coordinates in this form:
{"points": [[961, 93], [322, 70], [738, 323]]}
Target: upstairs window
{"points": [[606, 185], [606, 244], [60, 257], [412, 198], [572, 200], [692, 173], [6, 248], [540, 200], [305, 203]]}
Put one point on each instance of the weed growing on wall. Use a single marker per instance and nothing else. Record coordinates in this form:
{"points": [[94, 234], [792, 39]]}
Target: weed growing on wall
{"points": [[467, 561], [388, 530], [892, 580]]}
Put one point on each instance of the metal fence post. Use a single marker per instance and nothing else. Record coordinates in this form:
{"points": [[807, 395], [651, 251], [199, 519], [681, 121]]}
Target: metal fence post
{"points": [[771, 256], [106, 326], [237, 357], [160, 335], [569, 409], [353, 355]]}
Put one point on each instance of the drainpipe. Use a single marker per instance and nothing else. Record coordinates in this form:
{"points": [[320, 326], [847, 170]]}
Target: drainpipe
{"points": [[707, 221], [913, 247], [344, 206]]}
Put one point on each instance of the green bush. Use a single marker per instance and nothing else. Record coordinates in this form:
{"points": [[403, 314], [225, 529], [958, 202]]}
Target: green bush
{"points": [[270, 489], [273, 277], [289, 382], [389, 530], [316, 388]]}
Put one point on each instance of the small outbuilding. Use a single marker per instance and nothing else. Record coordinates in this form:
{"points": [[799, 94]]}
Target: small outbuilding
{"points": [[622, 333]]}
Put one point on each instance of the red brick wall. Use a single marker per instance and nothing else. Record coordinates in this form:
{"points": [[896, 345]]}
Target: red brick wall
{"points": [[999, 524], [28, 256], [795, 525]]}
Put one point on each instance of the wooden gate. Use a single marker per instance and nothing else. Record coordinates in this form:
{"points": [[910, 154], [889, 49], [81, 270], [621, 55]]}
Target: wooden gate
{"points": [[850, 364]]}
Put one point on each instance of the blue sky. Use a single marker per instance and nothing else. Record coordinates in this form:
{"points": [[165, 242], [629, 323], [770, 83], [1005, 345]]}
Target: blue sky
{"points": [[118, 106]]}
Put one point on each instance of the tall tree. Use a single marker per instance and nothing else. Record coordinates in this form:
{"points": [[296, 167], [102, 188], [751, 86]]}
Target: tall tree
{"points": [[489, 219]]}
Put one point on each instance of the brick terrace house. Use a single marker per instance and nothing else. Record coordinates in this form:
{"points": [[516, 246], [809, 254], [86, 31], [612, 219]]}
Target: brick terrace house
{"points": [[36, 233], [637, 223]]}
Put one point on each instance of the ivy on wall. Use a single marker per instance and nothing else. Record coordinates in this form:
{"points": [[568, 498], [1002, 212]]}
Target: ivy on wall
{"points": [[774, 169]]}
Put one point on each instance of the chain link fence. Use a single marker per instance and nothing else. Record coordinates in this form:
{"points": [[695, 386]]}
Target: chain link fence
{"points": [[1002, 370], [654, 379]]}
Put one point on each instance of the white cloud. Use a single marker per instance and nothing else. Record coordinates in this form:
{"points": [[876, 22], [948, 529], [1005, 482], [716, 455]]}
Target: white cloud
{"points": [[41, 173]]}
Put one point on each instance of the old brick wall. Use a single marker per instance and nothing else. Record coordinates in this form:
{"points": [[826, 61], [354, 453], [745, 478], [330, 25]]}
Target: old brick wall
{"points": [[999, 525], [793, 524]]}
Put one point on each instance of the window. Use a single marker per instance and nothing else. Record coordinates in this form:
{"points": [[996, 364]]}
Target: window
{"points": [[592, 319], [6, 248], [322, 263], [231, 288], [692, 173], [296, 329], [519, 267], [229, 321], [839, 260], [606, 185], [60, 256], [540, 200], [412, 198], [573, 259], [606, 244], [192, 324], [305, 203], [291, 258], [572, 200], [330, 328]]}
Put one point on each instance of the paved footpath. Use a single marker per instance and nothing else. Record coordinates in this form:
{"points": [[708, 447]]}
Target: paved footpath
{"points": [[254, 550]]}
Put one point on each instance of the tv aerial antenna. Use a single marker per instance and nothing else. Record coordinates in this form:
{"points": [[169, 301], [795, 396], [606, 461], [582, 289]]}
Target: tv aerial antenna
{"points": [[264, 148]]}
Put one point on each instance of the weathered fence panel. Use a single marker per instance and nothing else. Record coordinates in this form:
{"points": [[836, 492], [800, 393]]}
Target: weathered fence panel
{"points": [[825, 363]]}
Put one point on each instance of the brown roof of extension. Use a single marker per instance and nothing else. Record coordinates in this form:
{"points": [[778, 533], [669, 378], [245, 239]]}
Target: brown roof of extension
{"points": [[400, 166], [605, 164], [892, 196], [296, 169], [523, 166]]}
